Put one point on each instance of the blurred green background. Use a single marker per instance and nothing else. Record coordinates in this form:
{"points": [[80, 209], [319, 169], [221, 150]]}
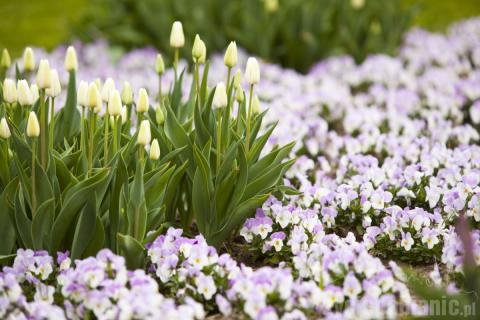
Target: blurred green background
{"points": [[48, 23]]}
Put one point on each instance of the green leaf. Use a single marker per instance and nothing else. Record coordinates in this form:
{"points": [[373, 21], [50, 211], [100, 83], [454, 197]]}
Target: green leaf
{"points": [[83, 230], [97, 242], [22, 221], [42, 224], [7, 227], [137, 209], [132, 250]]}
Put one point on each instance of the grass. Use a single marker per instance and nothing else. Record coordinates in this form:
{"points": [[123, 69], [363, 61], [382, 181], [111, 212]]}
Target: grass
{"points": [[46, 23]]}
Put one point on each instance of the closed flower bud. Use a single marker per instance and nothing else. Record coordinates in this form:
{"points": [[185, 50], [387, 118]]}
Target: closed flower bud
{"points": [[94, 98], [107, 89], [82, 93], [154, 150], [357, 4], [115, 104], [237, 79], [28, 59], [33, 127], [159, 64], [271, 5], [55, 88], [240, 95], [220, 99], [196, 49], [159, 116], [252, 71], [34, 91], [203, 56], [24, 93], [124, 114], [4, 129], [98, 83], [144, 134], [127, 93], [142, 101], [71, 63], [177, 39], [43, 74], [255, 105], [231, 58], [9, 91], [5, 60]]}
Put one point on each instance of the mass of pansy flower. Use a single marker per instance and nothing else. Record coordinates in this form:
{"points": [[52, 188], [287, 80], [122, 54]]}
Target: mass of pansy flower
{"points": [[387, 159]]}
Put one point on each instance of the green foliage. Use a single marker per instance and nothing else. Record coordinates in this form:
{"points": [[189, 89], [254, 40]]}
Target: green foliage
{"points": [[296, 33], [68, 194]]}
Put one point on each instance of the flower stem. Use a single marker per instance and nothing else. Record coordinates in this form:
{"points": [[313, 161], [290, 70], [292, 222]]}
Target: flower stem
{"points": [[249, 113], [105, 138], [175, 63], [43, 132], [52, 122], [115, 142], [197, 80], [219, 139], [34, 195], [82, 131], [160, 89], [90, 147]]}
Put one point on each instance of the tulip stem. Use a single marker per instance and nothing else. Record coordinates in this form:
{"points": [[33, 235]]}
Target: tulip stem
{"points": [[52, 121], [34, 196], [160, 89], [175, 63], [115, 146], [43, 132], [105, 138], [82, 130], [90, 147], [228, 80], [249, 113], [219, 140]]}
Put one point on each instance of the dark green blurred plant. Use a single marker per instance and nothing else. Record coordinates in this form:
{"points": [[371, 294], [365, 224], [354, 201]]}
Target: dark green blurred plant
{"points": [[294, 33]]}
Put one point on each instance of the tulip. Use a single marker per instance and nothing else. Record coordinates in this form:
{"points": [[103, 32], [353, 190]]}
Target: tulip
{"points": [[127, 93], [144, 134], [33, 127], [124, 115], [82, 94], [237, 79], [159, 116], [114, 103], [34, 91], [255, 105], [231, 57], [94, 98], [154, 150], [9, 91], [43, 74], [55, 88], [71, 63], [28, 59], [107, 89], [220, 98], [5, 60], [4, 129], [252, 71], [177, 38], [142, 101], [25, 97], [199, 50]]}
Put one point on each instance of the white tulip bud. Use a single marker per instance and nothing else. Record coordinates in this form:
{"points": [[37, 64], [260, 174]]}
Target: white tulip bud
{"points": [[82, 93], [271, 5], [9, 91], [127, 93], [177, 39], [28, 59], [255, 105], [107, 89], [43, 74], [252, 71], [154, 150], [33, 127], [94, 99], [240, 95], [237, 79], [199, 50], [357, 4], [231, 57], [34, 91], [124, 114], [159, 116], [98, 83], [4, 129], [55, 88], [5, 60], [142, 101], [24, 93], [115, 104], [159, 64], [144, 134], [220, 99], [71, 63]]}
